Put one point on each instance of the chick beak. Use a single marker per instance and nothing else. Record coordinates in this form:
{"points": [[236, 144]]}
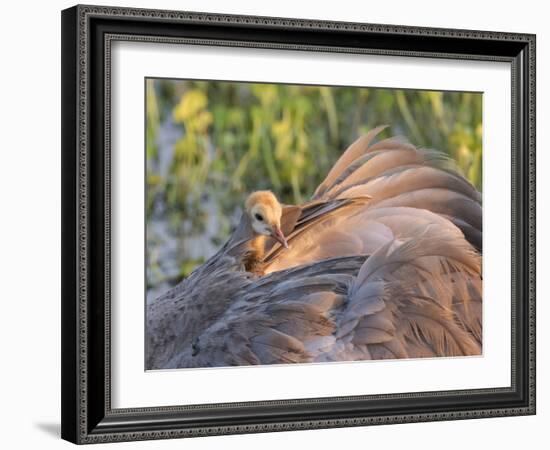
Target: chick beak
{"points": [[278, 235]]}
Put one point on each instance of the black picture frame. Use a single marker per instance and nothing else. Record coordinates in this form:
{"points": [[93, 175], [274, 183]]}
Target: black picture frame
{"points": [[87, 33]]}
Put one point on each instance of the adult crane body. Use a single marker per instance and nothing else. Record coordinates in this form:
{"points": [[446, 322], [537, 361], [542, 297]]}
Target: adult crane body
{"points": [[383, 262]]}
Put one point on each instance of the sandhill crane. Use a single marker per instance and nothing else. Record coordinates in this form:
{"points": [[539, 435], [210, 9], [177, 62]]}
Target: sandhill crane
{"points": [[383, 262]]}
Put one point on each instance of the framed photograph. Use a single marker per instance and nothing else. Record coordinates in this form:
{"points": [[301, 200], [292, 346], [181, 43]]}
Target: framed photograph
{"points": [[280, 224]]}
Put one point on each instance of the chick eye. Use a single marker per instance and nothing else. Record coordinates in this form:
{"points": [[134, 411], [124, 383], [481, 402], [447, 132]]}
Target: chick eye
{"points": [[259, 217]]}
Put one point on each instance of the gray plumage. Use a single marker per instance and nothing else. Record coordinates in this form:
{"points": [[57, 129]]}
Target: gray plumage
{"points": [[384, 262]]}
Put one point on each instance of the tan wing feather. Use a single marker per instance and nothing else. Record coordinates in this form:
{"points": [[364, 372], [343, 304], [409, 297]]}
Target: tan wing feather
{"points": [[354, 151], [392, 312]]}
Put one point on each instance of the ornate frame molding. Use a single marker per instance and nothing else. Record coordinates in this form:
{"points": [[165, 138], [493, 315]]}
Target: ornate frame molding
{"points": [[85, 421]]}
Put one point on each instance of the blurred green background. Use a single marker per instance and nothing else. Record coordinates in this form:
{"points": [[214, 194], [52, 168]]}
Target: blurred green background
{"points": [[210, 143]]}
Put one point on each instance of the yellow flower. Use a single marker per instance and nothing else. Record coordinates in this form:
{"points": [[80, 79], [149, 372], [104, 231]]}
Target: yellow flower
{"points": [[190, 104]]}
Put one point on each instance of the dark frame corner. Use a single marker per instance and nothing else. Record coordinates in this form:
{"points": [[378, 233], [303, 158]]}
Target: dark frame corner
{"points": [[87, 31]]}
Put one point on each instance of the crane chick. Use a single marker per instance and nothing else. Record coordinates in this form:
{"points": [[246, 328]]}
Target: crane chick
{"points": [[264, 212]]}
